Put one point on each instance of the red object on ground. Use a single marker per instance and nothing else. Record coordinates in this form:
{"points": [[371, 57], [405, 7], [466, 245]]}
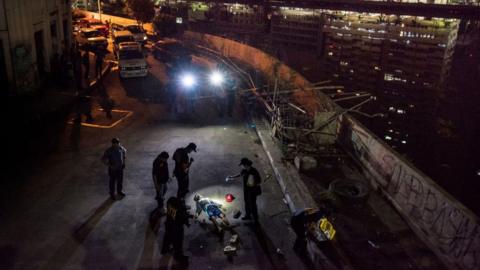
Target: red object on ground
{"points": [[229, 197]]}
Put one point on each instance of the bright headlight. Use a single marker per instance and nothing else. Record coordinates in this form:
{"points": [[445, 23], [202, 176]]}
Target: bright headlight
{"points": [[216, 78], [188, 80]]}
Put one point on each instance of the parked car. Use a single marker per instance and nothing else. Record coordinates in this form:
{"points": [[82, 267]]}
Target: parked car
{"points": [[95, 24], [131, 61], [119, 37], [90, 39], [171, 50], [137, 32]]}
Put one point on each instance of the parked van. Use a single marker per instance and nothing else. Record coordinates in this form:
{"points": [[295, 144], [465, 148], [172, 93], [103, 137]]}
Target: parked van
{"points": [[137, 32], [120, 37], [131, 61]]}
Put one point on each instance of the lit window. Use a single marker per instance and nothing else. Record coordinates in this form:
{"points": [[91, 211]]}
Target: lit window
{"points": [[404, 142], [343, 63], [401, 111], [392, 109], [377, 68], [388, 138], [388, 77], [330, 53]]}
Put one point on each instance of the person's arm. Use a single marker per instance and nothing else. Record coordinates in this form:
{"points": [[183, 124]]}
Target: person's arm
{"points": [[198, 209], [234, 176], [105, 158], [124, 157], [154, 175]]}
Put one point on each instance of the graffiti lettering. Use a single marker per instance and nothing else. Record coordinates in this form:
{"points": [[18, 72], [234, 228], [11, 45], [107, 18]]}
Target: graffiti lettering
{"points": [[442, 222]]}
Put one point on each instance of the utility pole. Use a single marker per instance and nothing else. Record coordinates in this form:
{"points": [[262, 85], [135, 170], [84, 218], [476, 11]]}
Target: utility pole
{"points": [[99, 10]]}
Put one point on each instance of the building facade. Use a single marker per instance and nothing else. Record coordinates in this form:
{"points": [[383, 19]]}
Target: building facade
{"points": [[31, 32]]}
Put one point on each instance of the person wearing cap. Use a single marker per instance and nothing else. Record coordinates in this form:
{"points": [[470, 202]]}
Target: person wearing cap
{"points": [[114, 157], [251, 188], [160, 178], [182, 167]]}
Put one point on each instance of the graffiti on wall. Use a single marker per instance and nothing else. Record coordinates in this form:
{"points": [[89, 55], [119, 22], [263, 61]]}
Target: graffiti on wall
{"points": [[451, 230]]}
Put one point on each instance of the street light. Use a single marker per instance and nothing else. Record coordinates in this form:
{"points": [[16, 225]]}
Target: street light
{"points": [[216, 78]]}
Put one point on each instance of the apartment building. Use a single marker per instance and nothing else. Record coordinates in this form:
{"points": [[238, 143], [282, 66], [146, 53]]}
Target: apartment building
{"points": [[404, 61], [300, 28], [31, 31]]}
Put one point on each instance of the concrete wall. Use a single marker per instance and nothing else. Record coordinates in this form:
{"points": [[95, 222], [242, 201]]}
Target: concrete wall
{"points": [[20, 19], [118, 20], [444, 224]]}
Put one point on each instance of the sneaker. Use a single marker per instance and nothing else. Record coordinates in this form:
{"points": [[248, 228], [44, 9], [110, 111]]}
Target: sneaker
{"points": [[112, 197], [121, 194]]}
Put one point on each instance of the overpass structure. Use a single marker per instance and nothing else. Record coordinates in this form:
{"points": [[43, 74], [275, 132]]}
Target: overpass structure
{"points": [[414, 9]]}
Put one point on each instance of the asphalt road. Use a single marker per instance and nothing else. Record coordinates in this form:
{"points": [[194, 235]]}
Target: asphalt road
{"points": [[62, 217]]}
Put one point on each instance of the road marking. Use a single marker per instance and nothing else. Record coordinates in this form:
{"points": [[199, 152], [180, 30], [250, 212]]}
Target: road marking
{"points": [[129, 113]]}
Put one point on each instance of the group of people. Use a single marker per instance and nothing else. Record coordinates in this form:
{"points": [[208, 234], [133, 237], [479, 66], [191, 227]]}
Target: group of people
{"points": [[100, 54], [305, 223], [176, 211]]}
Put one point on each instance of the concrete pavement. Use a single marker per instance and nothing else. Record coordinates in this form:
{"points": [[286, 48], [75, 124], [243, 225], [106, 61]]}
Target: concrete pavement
{"points": [[61, 218]]}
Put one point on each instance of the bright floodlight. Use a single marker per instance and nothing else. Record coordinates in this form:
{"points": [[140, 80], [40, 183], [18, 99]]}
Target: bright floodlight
{"points": [[188, 80], [216, 78]]}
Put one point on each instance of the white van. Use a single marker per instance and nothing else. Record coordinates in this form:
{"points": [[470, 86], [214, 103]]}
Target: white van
{"points": [[120, 37], [131, 61], [137, 32]]}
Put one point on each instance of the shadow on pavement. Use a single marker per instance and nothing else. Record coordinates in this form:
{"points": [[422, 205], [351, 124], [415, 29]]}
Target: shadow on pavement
{"points": [[149, 89], [151, 235], [60, 258], [268, 247]]}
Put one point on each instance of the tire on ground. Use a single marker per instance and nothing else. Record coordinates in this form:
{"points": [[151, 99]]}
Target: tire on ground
{"points": [[354, 191]]}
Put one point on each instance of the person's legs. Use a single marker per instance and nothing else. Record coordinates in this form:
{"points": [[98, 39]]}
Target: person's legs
{"points": [[120, 182], [214, 221], [178, 243], [182, 186], [87, 71], [248, 208], [111, 183], [253, 206], [162, 189], [167, 240], [300, 245], [224, 219]]}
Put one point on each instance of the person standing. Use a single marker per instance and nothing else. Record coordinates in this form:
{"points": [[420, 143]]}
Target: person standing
{"points": [[86, 64], [301, 221], [114, 157], [251, 188], [182, 167], [177, 217], [160, 178], [99, 56]]}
